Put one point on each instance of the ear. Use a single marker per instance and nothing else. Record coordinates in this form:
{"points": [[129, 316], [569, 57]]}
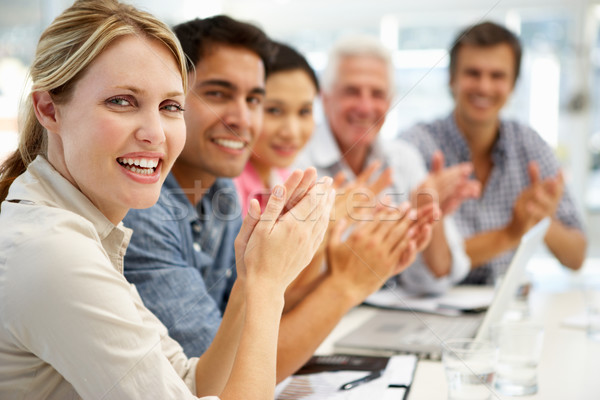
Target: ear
{"points": [[451, 85], [45, 110], [325, 98]]}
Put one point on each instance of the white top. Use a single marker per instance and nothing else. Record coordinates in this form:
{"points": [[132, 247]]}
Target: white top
{"points": [[408, 171], [71, 326]]}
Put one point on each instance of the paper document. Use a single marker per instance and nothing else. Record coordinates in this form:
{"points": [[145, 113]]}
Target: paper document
{"points": [[452, 303], [326, 385]]}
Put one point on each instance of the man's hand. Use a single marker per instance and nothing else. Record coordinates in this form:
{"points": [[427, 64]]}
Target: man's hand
{"points": [[375, 251], [536, 202], [359, 197], [450, 185]]}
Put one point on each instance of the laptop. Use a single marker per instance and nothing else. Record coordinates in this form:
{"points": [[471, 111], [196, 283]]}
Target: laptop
{"points": [[391, 332]]}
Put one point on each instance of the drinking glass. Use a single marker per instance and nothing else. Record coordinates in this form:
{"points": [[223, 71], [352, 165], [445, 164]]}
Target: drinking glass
{"points": [[519, 350], [469, 366]]}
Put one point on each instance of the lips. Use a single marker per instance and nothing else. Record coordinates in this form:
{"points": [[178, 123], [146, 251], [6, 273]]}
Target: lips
{"points": [[480, 101], [285, 151]]}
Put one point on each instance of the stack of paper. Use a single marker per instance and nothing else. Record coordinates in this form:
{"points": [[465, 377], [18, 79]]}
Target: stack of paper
{"points": [[326, 385]]}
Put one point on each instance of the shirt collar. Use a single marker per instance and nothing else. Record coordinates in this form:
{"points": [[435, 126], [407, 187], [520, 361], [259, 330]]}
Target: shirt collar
{"points": [[501, 151], [222, 190], [326, 153], [221, 198], [460, 146], [43, 185], [457, 140], [173, 195]]}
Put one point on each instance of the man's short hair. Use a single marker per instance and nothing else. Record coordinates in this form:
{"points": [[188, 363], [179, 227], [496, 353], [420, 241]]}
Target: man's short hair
{"points": [[199, 36], [486, 34], [355, 46]]}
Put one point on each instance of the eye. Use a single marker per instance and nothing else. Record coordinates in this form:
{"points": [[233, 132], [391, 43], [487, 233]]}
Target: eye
{"points": [[306, 112], [215, 94], [173, 107], [350, 92], [119, 101], [379, 94], [274, 111], [254, 100]]}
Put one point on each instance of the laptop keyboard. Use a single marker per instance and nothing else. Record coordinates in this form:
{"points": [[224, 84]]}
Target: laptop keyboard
{"points": [[438, 331]]}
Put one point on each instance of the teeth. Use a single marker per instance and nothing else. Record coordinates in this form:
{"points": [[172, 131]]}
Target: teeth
{"points": [[232, 144], [140, 162], [145, 171], [361, 122], [147, 166], [481, 101]]}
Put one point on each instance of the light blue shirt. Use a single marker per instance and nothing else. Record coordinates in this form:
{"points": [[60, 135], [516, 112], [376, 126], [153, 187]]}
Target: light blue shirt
{"points": [[181, 259]]}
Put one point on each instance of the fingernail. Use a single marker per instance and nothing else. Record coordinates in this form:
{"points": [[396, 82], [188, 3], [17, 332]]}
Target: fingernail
{"points": [[278, 192], [412, 214]]}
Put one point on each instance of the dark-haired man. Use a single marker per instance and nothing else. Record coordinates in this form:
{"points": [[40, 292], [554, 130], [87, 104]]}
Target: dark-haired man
{"points": [[181, 256], [520, 176]]}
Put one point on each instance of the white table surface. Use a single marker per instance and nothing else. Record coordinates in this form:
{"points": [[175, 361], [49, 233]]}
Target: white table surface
{"points": [[570, 363]]}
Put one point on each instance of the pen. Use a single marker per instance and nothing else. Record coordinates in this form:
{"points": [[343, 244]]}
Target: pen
{"points": [[355, 383]]}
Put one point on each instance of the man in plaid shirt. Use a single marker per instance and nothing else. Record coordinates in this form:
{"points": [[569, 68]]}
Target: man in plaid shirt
{"points": [[520, 176]]}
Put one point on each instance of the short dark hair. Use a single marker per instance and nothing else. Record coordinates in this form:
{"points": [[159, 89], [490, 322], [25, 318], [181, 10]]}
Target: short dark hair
{"points": [[486, 34], [198, 36], [288, 59]]}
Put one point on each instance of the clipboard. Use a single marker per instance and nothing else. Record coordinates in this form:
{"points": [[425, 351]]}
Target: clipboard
{"points": [[322, 377]]}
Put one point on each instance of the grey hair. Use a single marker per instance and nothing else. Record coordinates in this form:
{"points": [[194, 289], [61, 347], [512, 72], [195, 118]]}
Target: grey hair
{"points": [[355, 46]]}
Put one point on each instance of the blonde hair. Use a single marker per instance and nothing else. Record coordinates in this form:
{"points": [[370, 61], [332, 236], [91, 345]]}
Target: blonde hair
{"points": [[65, 49]]}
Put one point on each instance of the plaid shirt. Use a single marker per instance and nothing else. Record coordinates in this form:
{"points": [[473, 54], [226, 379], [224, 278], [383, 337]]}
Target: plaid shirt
{"points": [[515, 147]]}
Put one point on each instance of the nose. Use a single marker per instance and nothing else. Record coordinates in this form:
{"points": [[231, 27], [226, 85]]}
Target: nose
{"points": [[364, 103], [238, 115], [290, 129], [151, 129], [484, 83]]}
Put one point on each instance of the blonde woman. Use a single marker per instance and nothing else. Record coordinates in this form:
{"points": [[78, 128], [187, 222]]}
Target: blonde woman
{"points": [[103, 127]]}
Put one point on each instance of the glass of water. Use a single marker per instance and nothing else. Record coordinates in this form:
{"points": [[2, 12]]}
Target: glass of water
{"points": [[519, 351], [469, 366]]}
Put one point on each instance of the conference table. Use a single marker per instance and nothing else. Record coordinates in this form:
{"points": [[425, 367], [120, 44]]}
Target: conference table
{"points": [[570, 361]]}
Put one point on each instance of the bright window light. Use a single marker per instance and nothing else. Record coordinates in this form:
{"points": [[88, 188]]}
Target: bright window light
{"points": [[543, 99]]}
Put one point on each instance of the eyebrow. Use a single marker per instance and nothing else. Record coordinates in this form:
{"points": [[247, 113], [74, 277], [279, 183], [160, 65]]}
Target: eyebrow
{"points": [[281, 102], [228, 85], [140, 91]]}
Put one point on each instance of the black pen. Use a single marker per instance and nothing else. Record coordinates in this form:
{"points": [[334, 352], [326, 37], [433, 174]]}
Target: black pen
{"points": [[355, 383]]}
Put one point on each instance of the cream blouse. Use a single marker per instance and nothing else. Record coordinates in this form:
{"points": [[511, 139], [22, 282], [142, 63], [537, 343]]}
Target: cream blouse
{"points": [[71, 326]]}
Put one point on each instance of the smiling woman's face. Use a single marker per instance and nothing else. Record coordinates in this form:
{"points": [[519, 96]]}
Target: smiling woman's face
{"points": [[288, 118], [119, 133]]}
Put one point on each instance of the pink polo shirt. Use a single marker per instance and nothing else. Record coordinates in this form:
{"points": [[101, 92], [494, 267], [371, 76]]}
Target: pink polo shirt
{"points": [[249, 186]]}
